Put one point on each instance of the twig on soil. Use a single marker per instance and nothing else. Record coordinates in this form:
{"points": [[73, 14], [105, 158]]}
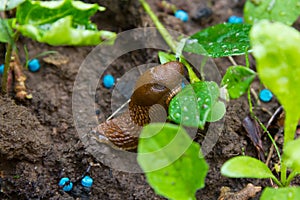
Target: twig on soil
{"points": [[271, 120], [118, 110], [248, 192], [275, 115], [255, 96], [271, 151], [232, 60], [20, 87]]}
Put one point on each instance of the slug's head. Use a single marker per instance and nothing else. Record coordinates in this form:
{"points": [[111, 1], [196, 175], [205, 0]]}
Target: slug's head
{"points": [[156, 84]]}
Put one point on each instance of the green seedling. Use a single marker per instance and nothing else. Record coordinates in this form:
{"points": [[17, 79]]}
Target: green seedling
{"points": [[173, 163], [237, 80], [276, 53]]}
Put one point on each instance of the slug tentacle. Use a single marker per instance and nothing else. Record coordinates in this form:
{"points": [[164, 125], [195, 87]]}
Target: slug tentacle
{"points": [[152, 93]]}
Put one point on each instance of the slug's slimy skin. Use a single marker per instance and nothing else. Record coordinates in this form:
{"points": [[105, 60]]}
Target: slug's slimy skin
{"points": [[153, 90]]}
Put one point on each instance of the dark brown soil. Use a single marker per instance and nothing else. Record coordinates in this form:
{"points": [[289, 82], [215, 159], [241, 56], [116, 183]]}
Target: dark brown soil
{"points": [[38, 140]]}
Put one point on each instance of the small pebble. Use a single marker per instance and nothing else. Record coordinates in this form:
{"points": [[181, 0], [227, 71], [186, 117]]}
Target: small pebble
{"points": [[235, 20], [182, 15], [87, 181], [2, 69], [265, 95], [66, 184], [202, 13], [34, 65], [108, 81]]}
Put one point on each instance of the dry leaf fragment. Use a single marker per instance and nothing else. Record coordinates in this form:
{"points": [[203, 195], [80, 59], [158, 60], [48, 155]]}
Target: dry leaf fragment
{"points": [[56, 59]]}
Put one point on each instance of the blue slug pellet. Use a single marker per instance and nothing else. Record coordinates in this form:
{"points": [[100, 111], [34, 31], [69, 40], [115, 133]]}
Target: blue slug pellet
{"points": [[2, 69], [108, 81], [34, 65], [265, 95], [66, 184], [182, 15], [87, 181], [235, 20]]}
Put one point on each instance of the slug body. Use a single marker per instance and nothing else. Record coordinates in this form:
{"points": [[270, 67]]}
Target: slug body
{"points": [[153, 91]]}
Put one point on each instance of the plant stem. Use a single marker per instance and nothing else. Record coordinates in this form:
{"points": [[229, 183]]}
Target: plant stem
{"points": [[269, 135], [291, 177], [163, 31], [168, 38], [283, 170], [8, 54], [250, 102], [193, 77], [6, 67], [277, 181], [247, 59]]}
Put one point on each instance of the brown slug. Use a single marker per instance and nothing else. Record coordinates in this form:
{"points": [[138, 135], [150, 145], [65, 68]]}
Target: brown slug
{"points": [[153, 90]]}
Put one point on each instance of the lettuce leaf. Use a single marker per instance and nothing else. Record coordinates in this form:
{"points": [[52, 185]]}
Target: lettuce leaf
{"points": [[9, 4], [64, 22]]}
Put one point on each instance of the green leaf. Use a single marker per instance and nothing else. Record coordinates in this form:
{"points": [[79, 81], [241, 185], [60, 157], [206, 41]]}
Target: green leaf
{"points": [[220, 40], [50, 20], [288, 193], [237, 80], [165, 57], [179, 47], [195, 105], [281, 11], [277, 55], [291, 155], [217, 112], [173, 163], [9, 4], [6, 33], [246, 167]]}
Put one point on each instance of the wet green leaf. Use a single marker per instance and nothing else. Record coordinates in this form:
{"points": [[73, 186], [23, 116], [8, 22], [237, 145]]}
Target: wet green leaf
{"points": [[220, 40], [288, 193], [237, 80], [173, 163], [194, 105], [9, 4], [60, 22], [291, 155], [6, 33], [276, 49], [246, 167], [281, 11]]}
